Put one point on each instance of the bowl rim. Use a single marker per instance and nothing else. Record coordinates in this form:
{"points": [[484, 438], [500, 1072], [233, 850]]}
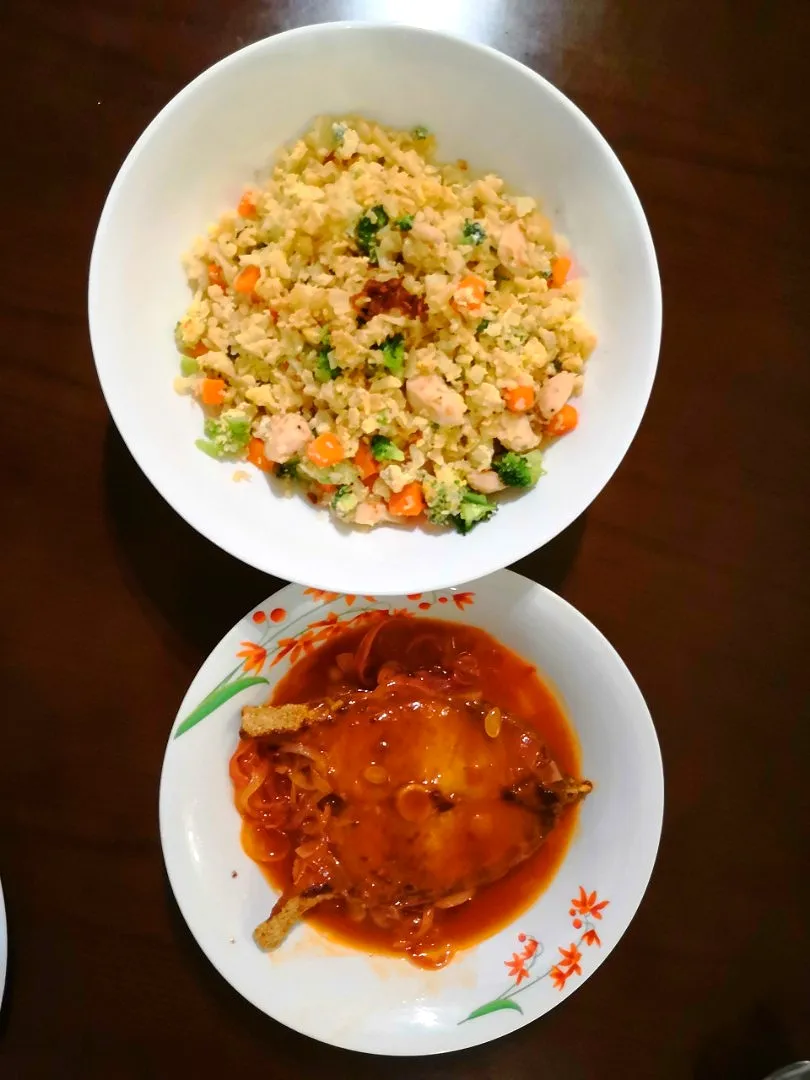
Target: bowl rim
{"points": [[653, 823], [330, 573]]}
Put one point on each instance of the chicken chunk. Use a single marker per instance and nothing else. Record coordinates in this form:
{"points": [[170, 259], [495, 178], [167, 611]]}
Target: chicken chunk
{"points": [[284, 436], [487, 482], [555, 392], [430, 396], [512, 247], [516, 433], [371, 513]]}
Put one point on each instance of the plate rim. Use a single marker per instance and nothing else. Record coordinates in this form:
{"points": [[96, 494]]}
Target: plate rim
{"points": [[645, 874]]}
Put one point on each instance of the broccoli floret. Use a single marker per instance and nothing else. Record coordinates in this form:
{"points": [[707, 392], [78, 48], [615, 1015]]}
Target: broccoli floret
{"points": [[287, 470], [405, 223], [367, 228], [519, 470], [474, 509], [323, 369], [383, 449], [420, 132], [393, 352], [344, 500], [473, 233], [225, 435], [443, 502]]}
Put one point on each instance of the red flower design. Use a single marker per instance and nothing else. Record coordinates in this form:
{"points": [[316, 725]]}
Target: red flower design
{"points": [[414, 596], [259, 616], [576, 923], [278, 614], [254, 656], [570, 959], [424, 606], [463, 599], [530, 948], [590, 937], [442, 599], [322, 594], [587, 905], [558, 977], [517, 968]]}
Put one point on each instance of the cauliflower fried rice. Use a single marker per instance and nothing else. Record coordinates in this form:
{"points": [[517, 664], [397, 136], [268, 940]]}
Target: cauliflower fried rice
{"points": [[394, 337]]}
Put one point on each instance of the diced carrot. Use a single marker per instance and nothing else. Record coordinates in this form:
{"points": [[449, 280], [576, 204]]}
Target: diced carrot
{"points": [[215, 275], [327, 489], [325, 450], [247, 207], [559, 271], [255, 455], [197, 350], [469, 294], [563, 421], [212, 391], [519, 398], [245, 280], [366, 462], [407, 503]]}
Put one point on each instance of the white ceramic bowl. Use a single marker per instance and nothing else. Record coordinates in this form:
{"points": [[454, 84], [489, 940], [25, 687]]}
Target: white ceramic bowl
{"points": [[193, 161], [385, 1005]]}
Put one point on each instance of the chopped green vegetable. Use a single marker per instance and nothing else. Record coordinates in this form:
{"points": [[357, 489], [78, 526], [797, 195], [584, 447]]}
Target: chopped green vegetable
{"points": [[405, 223], [367, 228], [207, 447], [188, 366], [546, 274], [344, 500], [288, 470], [473, 233], [474, 509], [383, 449], [341, 473], [420, 132], [443, 502], [482, 326], [519, 470], [324, 371], [225, 435], [393, 352]]}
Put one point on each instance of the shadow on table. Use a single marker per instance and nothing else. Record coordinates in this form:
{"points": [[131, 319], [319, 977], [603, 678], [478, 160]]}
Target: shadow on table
{"points": [[169, 565], [550, 565], [749, 1048]]}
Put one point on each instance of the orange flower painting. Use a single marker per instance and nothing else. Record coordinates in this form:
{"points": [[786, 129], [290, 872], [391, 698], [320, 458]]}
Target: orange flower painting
{"points": [[253, 655]]}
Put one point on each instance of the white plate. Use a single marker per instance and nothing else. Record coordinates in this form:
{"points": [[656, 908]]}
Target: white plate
{"points": [[192, 163], [385, 1005]]}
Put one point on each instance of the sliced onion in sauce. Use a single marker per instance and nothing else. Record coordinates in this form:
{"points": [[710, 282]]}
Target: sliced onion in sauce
{"points": [[456, 900], [414, 803], [375, 774], [492, 722]]}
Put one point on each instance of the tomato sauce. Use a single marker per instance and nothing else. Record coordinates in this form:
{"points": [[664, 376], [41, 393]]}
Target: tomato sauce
{"points": [[504, 679]]}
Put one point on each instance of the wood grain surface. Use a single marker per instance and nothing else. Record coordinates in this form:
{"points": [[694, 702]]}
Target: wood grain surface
{"points": [[693, 561]]}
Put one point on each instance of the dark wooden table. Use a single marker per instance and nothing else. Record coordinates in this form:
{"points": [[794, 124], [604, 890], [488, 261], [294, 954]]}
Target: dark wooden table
{"points": [[693, 561]]}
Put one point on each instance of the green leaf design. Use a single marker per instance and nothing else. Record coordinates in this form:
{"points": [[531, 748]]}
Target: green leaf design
{"points": [[216, 698], [492, 1006]]}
